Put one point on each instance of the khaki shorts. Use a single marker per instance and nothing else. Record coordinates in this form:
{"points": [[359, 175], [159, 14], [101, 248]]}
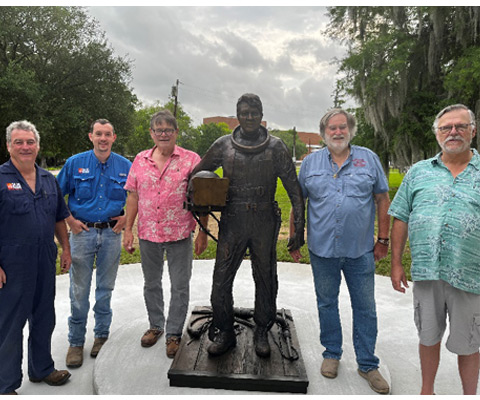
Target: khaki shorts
{"points": [[432, 301]]}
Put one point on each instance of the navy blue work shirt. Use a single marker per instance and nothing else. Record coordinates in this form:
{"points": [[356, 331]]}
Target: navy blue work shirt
{"points": [[95, 189], [28, 217], [341, 206]]}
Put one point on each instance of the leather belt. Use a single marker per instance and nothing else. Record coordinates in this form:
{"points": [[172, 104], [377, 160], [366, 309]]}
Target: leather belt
{"points": [[101, 225]]}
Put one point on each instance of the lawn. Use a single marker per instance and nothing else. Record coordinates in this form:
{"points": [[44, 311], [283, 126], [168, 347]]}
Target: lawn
{"points": [[383, 266]]}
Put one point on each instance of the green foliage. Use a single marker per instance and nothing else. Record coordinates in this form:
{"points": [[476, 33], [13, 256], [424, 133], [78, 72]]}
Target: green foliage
{"points": [[140, 138], [403, 65], [287, 137], [206, 134], [58, 71]]}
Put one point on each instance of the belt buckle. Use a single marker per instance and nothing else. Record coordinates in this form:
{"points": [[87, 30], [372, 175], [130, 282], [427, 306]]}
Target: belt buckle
{"points": [[98, 225]]}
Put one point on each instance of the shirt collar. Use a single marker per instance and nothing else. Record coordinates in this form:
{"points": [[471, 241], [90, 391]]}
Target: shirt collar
{"points": [[352, 150], [11, 169], [474, 161], [149, 154], [96, 160]]}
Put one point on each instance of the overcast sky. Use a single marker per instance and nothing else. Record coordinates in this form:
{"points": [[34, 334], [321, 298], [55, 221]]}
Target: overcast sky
{"points": [[219, 53]]}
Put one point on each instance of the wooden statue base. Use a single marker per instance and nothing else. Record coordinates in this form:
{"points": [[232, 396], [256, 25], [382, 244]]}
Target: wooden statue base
{"points": [[240, 368]]}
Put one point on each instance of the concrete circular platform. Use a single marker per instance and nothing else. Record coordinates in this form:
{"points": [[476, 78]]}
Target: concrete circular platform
{"points": [[124, 367]]}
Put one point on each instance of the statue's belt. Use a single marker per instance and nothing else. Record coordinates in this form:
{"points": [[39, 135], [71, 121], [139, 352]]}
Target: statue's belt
{"points": [[251, 206], [256, 191]]}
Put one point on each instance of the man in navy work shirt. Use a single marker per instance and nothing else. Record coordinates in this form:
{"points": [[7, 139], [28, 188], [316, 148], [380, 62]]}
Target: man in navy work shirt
{"points": [[33, 212], [342, 184], [94, 182]]}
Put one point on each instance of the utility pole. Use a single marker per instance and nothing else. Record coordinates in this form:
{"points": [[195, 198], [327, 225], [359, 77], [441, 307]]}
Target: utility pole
{"points": [[175, 96], [294, 131]]}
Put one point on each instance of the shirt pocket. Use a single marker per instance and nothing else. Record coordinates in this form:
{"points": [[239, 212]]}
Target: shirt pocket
{"points": [[359, 184], [475, 331], [83, 186], [48, 201], [317, 185], [19, 202], [116, 190]]}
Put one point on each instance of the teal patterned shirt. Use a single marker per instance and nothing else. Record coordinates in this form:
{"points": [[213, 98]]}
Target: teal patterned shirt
{"points": [[443, 217]]}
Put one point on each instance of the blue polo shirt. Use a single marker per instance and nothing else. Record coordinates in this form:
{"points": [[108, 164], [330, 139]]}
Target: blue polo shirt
{"points": [[29, 217], [95, 190], [341, 206]]}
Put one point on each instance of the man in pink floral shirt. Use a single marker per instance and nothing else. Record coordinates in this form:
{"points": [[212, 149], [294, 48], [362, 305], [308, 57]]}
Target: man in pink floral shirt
{"points": [[157, 185]]}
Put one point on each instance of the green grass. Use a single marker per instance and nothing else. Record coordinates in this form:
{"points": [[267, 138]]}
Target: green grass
{"points": [[383, 266]]}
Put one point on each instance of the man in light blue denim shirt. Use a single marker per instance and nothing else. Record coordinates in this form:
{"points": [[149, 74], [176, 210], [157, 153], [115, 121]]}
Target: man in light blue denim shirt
{"points": [[438, 208], [343, 184]]}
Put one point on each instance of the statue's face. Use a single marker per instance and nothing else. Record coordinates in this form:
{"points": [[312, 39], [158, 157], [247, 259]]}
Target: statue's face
{"points": [[249, 117]]}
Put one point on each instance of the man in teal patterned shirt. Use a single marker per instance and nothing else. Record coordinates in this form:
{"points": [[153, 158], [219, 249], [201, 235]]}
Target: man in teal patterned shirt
{"points": [[438, 208]]}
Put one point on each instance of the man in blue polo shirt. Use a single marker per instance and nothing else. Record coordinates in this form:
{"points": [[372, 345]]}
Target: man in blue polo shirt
{"points": [[343, 183], [94, 182]]}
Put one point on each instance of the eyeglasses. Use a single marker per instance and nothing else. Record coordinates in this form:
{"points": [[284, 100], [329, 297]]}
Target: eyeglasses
{"points": [[460, 128], [168, 132]]}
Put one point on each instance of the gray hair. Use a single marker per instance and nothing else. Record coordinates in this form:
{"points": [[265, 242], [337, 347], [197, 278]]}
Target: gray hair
{"points": [[163, 116], [351, 121], [453, 107], [24, 126]]}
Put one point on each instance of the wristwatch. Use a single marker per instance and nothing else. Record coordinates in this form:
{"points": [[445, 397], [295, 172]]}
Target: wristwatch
{"points": [[384, 241]]}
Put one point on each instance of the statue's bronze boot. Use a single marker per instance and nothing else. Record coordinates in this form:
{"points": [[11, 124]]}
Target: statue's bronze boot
{"points": [[260, 338], [222, 343]]}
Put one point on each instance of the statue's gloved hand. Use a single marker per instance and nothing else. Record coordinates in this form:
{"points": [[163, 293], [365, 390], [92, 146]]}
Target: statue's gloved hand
{"points": [[296, 241]]}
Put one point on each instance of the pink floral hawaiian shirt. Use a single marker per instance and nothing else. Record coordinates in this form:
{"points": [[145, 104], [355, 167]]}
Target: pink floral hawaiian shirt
{"points": [[161, 216]]}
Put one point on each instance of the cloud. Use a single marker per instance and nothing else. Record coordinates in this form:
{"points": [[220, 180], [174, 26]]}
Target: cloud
{"points": [[219, 53]]}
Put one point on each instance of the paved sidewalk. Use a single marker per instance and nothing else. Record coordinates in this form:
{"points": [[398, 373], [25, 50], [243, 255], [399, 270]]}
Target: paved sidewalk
{"points": [[124, 367]]}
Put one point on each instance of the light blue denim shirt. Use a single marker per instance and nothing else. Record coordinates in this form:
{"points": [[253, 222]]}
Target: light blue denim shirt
{"points": [[341, 206], [443, 217]]}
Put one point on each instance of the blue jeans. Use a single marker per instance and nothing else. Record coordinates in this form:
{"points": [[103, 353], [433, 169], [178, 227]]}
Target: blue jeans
{"points": [[359, 275], [102, 247]]}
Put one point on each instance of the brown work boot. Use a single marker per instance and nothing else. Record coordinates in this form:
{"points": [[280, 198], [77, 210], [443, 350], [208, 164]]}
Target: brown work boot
{"points": [[14, 392], [56, 378], [150, 337], [329, 368], [173, 343], [74, 357], [376, 381], [97, 345]]}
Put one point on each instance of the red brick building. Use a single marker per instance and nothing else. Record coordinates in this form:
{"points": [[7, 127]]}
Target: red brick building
{"points": [[312, 140]]}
